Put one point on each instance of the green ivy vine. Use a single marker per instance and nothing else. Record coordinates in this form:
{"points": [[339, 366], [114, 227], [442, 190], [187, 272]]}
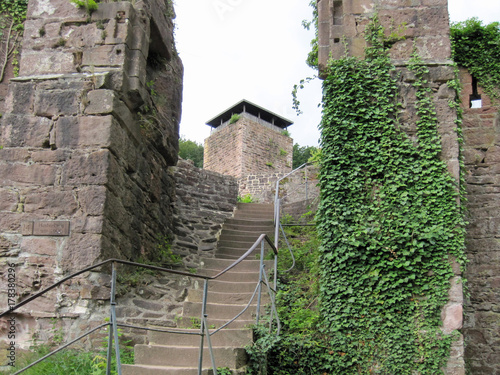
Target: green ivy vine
{"points": [[12, 16], [477, 47], [388, 219]]}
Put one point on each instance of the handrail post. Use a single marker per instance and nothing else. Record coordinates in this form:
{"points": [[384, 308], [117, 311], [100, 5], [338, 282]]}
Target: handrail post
{"points": [[307, 195], [261, 270], [110, 328], [209, 342], [114, 325], [202, 325]]}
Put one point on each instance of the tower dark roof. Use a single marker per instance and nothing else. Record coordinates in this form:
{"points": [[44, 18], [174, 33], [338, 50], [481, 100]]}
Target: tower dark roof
{"points": [[253, 109]]}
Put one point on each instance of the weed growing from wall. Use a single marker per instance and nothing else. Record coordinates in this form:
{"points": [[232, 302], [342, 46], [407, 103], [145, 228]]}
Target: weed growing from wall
{"points": [[388, 220]]}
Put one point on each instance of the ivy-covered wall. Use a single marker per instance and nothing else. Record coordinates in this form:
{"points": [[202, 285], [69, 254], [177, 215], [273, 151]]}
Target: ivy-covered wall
{"points": [[391, 216]]}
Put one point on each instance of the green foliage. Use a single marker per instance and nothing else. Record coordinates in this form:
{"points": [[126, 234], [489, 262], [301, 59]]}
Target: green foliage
{"points": [[302, 154], [312, 57], [234, 118], [89, 5], [388, 220], [16, 10], [300, 348], [246, 199], [192, 151], [224, 371], [72, 361], [477, 48], [285, 132]]}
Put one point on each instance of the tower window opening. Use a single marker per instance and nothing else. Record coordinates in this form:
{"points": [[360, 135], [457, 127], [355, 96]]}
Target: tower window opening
{"points": [[475, 98]]}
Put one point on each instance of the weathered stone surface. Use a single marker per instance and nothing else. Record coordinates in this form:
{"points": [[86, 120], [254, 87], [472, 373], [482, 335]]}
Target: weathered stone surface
{"points": [[83, 131], [45, 62], [56, 103], [19, 174], [21, 130], [87, 169]]}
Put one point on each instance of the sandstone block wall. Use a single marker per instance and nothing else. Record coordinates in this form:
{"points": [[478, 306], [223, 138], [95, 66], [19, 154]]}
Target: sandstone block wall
{"points": [[481, 129], [422, 23], [86, 142], [247, 147]]}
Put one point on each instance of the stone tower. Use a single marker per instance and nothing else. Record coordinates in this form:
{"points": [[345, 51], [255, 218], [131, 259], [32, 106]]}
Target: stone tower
{"points": [[248, 139]]}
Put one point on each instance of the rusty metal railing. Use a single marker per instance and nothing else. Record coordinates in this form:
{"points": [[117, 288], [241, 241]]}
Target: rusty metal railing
{"points": [[204, 329]]}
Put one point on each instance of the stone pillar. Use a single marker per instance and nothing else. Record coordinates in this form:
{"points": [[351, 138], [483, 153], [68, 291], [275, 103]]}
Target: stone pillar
{"points": [[86, 146]]}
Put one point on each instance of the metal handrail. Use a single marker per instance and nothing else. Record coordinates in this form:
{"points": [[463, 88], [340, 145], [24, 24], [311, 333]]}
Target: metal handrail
{"points": [[277, 215], [204, 331]]}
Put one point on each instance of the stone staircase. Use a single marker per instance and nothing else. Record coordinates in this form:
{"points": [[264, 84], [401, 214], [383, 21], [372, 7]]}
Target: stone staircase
{"points": [[177, 354]]}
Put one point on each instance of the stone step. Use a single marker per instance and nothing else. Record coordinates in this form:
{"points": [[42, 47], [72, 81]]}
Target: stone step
{"points": [[240, 276], [244, 266], [163, 370], [243, 232], [249, 224], [239, 251], [253, 215], [227, 298], [239, 236], [260, 207], [174, 356], [236, 244], [216, 323], [231, 286], [158, 370], [238, 338], [220, 310]]}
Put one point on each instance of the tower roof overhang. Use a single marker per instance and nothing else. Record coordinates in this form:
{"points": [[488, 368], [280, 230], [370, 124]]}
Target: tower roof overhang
{"points": [[253, 109]]}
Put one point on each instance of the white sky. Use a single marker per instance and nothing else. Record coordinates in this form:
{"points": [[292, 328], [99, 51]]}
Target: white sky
{"points": [[256, 50]]}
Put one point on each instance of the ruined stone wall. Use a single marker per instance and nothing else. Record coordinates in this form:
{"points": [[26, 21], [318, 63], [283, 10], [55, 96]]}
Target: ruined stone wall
{"points": [[425, 25], [247, 147], [204, 200], [422, 23], [297, 187], [86, 150], [481, 128]]}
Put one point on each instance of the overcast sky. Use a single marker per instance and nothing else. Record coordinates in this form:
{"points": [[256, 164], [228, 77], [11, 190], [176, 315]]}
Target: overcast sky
{"points": [[256, 50]]}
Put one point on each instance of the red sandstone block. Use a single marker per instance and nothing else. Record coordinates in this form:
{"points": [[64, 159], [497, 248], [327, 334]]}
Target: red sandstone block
{"points": [[14, 154], [53, 203], [56, 102], [20, 174], [84, 131], [452, 317], [55, 9], [87, 169], [22, 131], [8, 200], [39, 246], [46, 62]]}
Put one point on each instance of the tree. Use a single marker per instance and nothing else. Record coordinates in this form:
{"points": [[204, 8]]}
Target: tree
{"points": [[301, 154], [192, 151]]}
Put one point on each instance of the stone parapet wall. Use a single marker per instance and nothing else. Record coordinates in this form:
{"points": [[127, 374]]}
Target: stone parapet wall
{"points": [[204, 200], [299, 186], [85, 143], [481, 129]]}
